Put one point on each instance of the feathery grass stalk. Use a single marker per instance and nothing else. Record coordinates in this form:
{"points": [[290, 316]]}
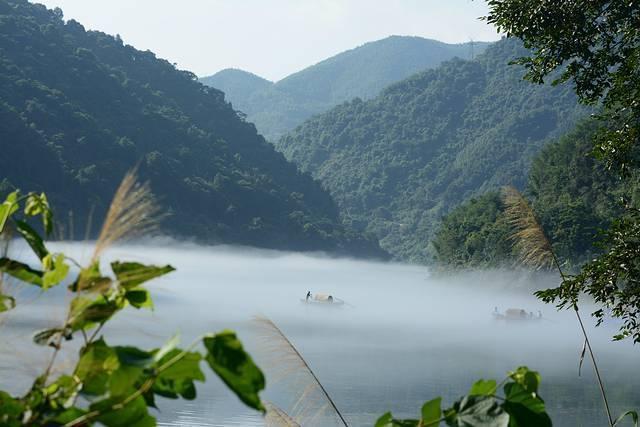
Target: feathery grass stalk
{"points": [[276, 417], [536, 251], [284, 343], [132, 212]]}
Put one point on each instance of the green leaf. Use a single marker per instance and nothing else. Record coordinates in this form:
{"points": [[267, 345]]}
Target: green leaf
{"points": [[57, 271], [7, 302], [530, 380], [7, 208], [37, 204], [632, 414], [385, 421], [90, 280], [21, 271], [32, 237], [431, 413], [69, 415], [483, 388], [476, 411], [87, 312], [178, 379], [132, 274], [10, 411], [97, 363], [46, 336], [235, 367], [139, 298], [166, 348], [133, 414], [525, 408]]}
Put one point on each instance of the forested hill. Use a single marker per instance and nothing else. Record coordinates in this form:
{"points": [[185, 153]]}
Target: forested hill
{"points": [[397, 163], [277, 108], [78, 109]]}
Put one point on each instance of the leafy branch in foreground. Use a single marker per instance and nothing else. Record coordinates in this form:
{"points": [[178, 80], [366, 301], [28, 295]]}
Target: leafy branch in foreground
{"points": [[110, 385], [519, 405]]}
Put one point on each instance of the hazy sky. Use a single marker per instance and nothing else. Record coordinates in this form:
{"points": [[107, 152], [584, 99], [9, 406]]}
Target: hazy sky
{"points": [[272, 38]]}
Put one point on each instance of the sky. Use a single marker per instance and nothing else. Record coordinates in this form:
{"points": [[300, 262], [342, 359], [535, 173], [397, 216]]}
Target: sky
{"points": [[272, 38]]}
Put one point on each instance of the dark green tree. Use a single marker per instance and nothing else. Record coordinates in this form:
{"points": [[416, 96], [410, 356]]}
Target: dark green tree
{"points": [[596, 44]]}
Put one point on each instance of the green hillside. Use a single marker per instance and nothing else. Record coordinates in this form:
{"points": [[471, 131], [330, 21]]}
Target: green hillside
{"points": [[78, 109], [363, 72], [573, 195], [397, 163]]}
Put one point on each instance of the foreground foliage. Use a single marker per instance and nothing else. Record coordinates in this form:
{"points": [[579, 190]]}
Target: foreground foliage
{"points": [[109, 385], [519, 405]]}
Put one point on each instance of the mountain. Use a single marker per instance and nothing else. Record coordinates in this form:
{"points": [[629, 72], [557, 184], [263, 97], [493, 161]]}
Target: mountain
{"points": [[399, 162], [78, 109], [362, 72]]}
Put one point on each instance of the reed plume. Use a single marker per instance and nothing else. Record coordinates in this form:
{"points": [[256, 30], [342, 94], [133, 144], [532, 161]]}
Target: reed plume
{"points": [[529, 238], [290, 362], [536, 251], [133, 212], [276, 417]]}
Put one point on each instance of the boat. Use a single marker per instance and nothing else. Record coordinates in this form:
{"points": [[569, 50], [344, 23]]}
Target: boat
{"points": [[516, 314], [323, 300]]}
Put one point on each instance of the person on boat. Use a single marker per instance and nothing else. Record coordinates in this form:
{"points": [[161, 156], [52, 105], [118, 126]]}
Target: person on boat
{"points": [[330, 299], [308, 295]]}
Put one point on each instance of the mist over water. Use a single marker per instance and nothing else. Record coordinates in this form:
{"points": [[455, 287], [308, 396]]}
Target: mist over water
{"points": [[404, 336]]}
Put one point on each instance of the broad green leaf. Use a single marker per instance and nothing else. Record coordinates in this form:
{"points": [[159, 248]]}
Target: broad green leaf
{"points": [[235, 367], [69, 415], [132, 274], [47, 336], [21, 271], [525, 408], [90, 280], [530, 380], [7, 303], [57, 272], [178, 379], [131, 371], [37, 204], [477, 411], [97, 363], [632, 414], [385, 421], [431, 413], [139, 298], [483, 388], [7, 208], [166, 348], [10, 411], [87, 312], [133, 414], [32, 238]]}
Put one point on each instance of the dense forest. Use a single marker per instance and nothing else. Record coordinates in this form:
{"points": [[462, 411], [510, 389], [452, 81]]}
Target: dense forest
{"points": [[79, 108], [397, 163], [572, 194], [363, 72]]}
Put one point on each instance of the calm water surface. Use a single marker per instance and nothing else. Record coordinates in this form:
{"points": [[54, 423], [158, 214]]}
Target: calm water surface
{"points": [[404, 337]]}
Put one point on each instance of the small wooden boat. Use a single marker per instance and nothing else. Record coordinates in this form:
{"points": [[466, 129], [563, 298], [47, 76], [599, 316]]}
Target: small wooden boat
{"points": [[323, 300], [516, 314]]}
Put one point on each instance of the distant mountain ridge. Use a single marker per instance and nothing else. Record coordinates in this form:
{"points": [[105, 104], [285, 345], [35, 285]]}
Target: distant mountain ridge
{"points": [[363, 72], [79, 108], [399, 162]]}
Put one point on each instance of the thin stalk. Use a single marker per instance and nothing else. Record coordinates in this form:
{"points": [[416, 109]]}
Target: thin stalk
{"points": [[588, 343]]}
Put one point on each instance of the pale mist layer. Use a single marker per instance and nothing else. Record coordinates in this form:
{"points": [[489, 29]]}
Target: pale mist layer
{"points": [[404, 335]]}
